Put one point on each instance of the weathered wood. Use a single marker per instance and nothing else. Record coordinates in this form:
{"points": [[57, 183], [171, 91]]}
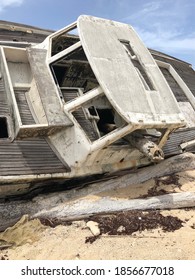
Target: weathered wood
{"points": [[83, 208], [72, 204], [147, 147], [169, 166]]}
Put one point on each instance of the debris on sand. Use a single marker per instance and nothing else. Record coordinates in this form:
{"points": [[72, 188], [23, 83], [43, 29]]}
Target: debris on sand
{"points": [[94, 227], [126, 223]]}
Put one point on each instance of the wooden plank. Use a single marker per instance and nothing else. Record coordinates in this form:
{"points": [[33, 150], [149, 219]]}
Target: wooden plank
{"points": [[85, 208], [71, 204]]}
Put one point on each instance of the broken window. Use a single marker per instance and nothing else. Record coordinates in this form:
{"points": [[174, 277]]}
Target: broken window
{"points": [[74, 77], [64, 40], [106, 121], [176, 89], [73, 70]]}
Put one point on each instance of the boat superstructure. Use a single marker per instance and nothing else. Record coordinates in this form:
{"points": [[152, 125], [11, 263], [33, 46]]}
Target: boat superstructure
{"points": [[88, 100]]}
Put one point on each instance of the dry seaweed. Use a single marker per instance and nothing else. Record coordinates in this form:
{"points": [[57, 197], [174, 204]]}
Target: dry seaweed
{"points": [[126, 223]]}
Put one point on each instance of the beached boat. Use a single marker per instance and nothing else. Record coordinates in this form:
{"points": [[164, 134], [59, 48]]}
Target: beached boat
{"points": [[86, 102]]}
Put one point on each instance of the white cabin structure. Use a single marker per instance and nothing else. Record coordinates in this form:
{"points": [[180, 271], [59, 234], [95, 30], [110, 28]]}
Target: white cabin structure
{"points": [[87, 105]]}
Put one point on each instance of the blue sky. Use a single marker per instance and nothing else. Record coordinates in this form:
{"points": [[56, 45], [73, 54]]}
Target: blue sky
{"points": [[164, 25]]}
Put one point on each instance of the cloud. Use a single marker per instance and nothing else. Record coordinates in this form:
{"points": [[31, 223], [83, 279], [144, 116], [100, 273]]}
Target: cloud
{"points": [[175, 12], [169, 41], [148, 10], [9, 3], [166, 25]]}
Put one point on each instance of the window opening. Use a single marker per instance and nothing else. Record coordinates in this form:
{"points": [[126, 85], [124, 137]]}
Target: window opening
{"points": [[106, 121], [73, 76], [73, 70], [148, 85], [96, 117], [85, 121], [176, 89], [64, 41], [3, 128], [82, 115]]}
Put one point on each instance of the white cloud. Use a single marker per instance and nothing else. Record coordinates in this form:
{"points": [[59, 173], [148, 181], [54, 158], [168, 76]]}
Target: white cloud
{"points": [[9, 3], [149, 9], [166, 25], [167, 41]]}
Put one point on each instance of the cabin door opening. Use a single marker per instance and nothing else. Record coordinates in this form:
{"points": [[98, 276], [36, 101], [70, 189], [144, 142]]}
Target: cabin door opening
{"points": [[3, 128]]}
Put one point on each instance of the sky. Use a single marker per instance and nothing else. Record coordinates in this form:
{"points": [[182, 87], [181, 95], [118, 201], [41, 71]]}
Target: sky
{"points": [[164, 25]]}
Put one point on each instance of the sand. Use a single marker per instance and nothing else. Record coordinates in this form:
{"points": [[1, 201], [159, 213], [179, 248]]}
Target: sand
{"points": [[31, 240]]}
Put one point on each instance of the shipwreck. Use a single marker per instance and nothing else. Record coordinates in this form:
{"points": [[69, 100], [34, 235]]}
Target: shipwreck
{"points": [[86, 102]]}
